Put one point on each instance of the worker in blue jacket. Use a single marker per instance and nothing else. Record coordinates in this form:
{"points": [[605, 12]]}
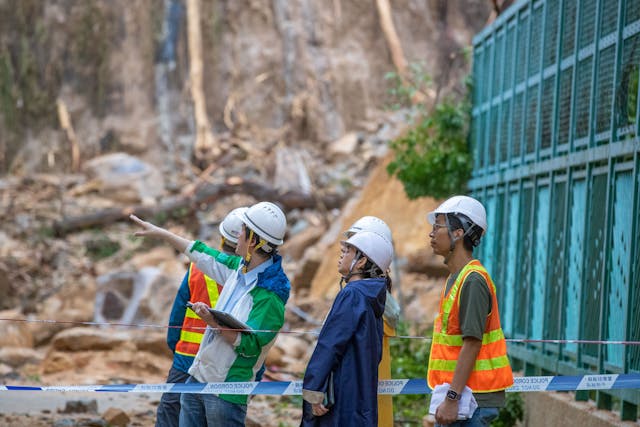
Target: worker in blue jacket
{"points": [[340, 385]]}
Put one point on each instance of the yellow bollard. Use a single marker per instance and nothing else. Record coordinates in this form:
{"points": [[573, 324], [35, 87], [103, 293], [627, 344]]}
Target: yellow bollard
{"points": [[385, 402]]}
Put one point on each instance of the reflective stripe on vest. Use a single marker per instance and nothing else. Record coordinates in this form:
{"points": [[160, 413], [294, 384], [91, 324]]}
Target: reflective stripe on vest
{"points": [[491, 371], [201, 289]]}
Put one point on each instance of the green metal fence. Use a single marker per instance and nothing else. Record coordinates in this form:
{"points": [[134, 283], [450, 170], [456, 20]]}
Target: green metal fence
{"points": [[555, 134]]}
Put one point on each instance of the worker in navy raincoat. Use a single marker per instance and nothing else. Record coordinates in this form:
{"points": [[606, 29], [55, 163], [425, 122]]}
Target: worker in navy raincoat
{"points": [[341, 381]]}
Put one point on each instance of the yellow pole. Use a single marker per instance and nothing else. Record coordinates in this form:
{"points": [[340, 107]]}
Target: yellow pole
{"points": [[385, 402]]}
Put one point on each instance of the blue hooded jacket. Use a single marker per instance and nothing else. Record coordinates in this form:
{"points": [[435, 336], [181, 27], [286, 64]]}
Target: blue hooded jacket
{"points": [[350, 346]]}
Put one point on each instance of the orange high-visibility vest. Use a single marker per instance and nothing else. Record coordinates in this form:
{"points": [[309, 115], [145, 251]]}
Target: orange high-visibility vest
{"points": [[202, 289], [492, 371]]}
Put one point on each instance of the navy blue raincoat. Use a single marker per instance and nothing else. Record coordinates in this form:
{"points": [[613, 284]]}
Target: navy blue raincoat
{"points": [[350, 346]]}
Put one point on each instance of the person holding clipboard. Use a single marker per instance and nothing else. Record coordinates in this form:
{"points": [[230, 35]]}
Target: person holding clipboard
{"points": [[255, 292]]}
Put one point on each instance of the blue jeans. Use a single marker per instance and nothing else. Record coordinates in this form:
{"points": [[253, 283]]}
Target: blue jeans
{"points": [[197, 410], [169, 407], [482, 417]]}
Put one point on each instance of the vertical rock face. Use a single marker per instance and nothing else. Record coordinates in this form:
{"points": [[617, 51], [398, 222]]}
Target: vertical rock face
{"points": [[315, 67]]}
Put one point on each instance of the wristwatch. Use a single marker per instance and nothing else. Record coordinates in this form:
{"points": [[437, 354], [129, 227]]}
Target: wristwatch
{"points": [[453, 395]]}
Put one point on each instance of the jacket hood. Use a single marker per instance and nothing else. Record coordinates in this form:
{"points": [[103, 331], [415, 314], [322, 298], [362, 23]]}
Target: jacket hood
{"points": [[375, 290], [273, 279]]}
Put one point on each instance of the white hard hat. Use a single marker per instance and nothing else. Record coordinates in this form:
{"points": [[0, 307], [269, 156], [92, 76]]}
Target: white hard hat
{"points": [[266, 220], [464, 205], [231, 226], [371, 223], [375, 247]]}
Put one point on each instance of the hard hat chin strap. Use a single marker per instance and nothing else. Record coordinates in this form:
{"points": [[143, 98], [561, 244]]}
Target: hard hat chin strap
{"points": [[351, 273]]}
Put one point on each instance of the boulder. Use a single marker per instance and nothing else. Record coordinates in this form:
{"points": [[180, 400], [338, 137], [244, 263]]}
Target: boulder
{"points": [[81, 406], [14, 333], [125, 178], [153, 342], [80, 339], [426, 262], [116, 417], [345, 145], [18, 356], [296, 245], [57, 362]]}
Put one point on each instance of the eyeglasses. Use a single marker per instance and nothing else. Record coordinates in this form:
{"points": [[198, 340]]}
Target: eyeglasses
{"points": [[436, 226]]}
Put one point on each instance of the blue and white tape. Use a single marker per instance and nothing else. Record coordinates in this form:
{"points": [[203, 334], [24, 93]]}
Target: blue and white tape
{"points": [[387, 387]]}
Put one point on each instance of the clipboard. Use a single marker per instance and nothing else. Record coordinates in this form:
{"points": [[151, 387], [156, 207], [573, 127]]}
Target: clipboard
{"points": [[227, 320]]}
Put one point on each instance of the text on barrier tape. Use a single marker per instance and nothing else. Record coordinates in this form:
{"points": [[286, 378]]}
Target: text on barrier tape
{"points": [[390, 387]]}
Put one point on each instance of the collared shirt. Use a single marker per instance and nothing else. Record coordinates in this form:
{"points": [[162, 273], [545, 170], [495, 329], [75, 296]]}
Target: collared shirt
{"points": [[245, 281]]}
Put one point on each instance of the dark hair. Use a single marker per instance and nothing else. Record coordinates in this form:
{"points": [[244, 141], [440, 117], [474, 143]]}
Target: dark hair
{"points": [[227, 247], [261, 251], [370, 270], [472, 231]]}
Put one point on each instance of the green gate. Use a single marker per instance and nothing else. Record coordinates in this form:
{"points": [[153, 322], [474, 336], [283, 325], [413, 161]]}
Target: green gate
{"points": [[555, 134]]}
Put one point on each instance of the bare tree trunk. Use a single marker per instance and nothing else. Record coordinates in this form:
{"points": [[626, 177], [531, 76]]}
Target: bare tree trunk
{"points": [[390, 34], [65, 124], [205, 142]]}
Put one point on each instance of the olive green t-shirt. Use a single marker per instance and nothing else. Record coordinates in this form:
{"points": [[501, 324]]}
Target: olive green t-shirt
{"points": [[475, 306]]}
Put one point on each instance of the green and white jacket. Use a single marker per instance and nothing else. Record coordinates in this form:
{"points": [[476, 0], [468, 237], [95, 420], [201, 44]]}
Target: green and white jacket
{"points": [[260, 305]]}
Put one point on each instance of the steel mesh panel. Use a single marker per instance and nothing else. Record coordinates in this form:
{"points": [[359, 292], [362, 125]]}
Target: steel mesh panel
{"points": [[477, 76], [627, 89], [505, 127], [535, 44], [484, 123], [476, 141], [546, 111], [518, 120], [489, 238], [632, 12], [550, 33], [568, 36], [486, 81], [575, 274], [604, 87], [608, 17], [523, 282], [509, 54], [531, 119], [498, 62], [634, 304], [556, 278], [587, 23], [521, 52], [493, 135], [593, 291], [511, 283], [564, 105], [583, 97], [619, 267], [537, 301]]}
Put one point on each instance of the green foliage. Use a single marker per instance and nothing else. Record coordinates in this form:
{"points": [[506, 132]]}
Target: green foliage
{"points": [[512, 412], [409, 359], [433, 158], [101, 247]]}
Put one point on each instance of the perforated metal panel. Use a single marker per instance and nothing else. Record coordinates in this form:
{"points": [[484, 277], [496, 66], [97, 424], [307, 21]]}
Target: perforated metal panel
{"points": [[557, 161]]}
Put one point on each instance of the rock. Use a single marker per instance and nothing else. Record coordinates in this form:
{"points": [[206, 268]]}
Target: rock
{"points": [[5, 370], [426, 262], [135, 297], [274, 357], [125, 178], [428, 421], [253, 421], [153, 342], [291, 173], [64, 422], [296, 245], [345, 145], [79, 339], [307, 269], [291, 345], [57, 362], [80, 406], [116, 417], [14, 333], [18, 356]]}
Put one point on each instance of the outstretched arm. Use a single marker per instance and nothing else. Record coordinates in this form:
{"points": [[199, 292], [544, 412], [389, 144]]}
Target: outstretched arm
{"points": [[149, 230]]}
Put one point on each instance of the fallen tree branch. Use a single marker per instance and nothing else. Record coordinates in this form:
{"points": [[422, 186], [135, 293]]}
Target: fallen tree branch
{"points": [[206, 193]]}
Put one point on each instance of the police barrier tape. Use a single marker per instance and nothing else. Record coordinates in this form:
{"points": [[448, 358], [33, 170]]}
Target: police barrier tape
{"points": [[388, 387]]}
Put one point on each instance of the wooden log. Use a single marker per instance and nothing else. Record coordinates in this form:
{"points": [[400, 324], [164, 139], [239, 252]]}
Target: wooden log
{"points": [[204, 194], [205, 142]]}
